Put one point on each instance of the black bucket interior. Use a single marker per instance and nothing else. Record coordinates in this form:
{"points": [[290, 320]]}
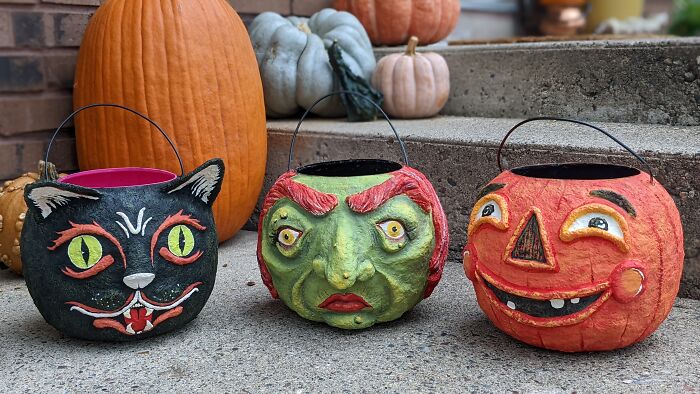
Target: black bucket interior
{"points": [[581, 171], [347, 168]]}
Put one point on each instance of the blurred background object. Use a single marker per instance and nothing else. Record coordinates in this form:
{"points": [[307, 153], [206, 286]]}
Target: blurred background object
{"points": [[602, 10], [543, 20], [485, 19], [686, 18], [633, 25], [562, 17]]}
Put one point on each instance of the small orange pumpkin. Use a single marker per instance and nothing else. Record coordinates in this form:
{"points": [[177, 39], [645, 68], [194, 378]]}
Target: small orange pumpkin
{"points": [[392, 22], [13, 209], [415, 85], [575, 257]]}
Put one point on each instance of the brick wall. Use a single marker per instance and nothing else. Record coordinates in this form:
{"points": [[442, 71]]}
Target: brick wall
{"points": [[39, 42]]}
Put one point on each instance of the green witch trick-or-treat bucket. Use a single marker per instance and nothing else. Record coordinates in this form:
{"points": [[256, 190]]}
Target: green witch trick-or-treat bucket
{"points": [[352, 243], [121, 254]]}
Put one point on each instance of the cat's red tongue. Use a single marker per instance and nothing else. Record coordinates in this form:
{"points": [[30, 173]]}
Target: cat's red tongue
{"points": [[138, 319]]}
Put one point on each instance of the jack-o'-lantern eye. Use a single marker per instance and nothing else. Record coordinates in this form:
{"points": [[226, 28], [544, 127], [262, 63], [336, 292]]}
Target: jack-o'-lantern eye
{"points": [[180, 241], [490, 209], [288, 236], [596, 220], [393, 229], [84, 251]]}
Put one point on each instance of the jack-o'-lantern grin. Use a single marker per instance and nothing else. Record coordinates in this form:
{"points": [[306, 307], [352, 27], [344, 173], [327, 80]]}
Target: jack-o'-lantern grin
{"points": [[543, 308], [139, 313]]}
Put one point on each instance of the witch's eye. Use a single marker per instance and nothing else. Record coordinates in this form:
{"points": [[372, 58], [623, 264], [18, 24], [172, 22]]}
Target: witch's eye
{"points": [[84, 251], [288, 236], [180, 240], [393, 229], [490, 209], [596, 220]]}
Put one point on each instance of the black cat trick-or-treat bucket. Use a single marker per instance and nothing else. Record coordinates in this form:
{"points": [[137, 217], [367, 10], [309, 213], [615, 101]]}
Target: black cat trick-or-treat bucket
{"points": [[121, 254]]}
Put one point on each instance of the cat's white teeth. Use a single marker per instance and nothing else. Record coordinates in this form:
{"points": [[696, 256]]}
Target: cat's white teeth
{"points": [[149, 326], [127, 314], [149, 311], [575, 300], [130, 329]]}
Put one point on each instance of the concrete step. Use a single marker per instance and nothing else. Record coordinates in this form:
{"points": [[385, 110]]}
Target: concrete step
{"points": [[244, 341], [655, 81], [458, 155]]}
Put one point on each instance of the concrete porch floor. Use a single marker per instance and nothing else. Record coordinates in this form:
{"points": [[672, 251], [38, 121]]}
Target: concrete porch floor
{"points": [[243, 341]]}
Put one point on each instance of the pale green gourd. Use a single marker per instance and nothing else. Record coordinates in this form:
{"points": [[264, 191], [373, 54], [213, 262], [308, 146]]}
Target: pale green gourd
{"points": [[293, 59]]}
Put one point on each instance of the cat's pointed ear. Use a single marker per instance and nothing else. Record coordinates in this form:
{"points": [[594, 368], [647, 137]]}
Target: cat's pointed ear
{"points": [[49, 197], [203, 184]]}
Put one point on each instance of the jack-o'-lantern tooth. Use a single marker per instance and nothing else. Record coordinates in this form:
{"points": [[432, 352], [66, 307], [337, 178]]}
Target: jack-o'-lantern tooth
{"points": [[127, 314], [130, 329], [149, 326], [149, 311], [575, 300], [557, 303], [511, 305]]}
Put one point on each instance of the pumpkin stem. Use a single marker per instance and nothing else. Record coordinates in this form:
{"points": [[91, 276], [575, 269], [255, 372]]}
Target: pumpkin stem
{"points": [[304, 27], [53, 174], [412, 44]]}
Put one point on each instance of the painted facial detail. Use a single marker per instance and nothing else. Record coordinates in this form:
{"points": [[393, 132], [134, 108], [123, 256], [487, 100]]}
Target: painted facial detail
{"points": [[530, 249], [575, 264], [129, 263], [350, 252], [136, 316]]}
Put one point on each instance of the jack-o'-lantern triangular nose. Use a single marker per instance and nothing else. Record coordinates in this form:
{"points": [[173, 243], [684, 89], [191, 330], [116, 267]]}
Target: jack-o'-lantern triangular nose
{"points": [[529, 245]]}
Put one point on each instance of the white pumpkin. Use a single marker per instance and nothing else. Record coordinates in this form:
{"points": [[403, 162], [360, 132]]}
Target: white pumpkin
{"points": [[293, 59], [415, 85]]}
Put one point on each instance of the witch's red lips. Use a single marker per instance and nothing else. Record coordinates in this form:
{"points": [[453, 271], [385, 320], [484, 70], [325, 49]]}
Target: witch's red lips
{"points": [[344, 303]]}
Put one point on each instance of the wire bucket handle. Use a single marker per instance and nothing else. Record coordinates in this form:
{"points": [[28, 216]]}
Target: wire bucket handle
{"points": [[77, 111], [649, 170], [308, 111]]}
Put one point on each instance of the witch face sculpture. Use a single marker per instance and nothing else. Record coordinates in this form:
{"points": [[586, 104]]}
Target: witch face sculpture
{"points": [[352, 251], [122, 263]]}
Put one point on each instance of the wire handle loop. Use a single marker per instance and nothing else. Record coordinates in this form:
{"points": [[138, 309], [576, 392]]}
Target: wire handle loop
{"points": [[649, 170], [77, 111], [308, 111]]}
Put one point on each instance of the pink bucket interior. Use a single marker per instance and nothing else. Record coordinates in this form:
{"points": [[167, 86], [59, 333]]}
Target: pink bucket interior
{"points": [[118, 177]]}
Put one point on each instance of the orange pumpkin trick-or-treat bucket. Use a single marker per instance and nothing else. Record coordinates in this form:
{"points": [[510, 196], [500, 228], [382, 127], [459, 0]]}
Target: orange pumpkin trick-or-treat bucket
{"points": [[576, 256]]}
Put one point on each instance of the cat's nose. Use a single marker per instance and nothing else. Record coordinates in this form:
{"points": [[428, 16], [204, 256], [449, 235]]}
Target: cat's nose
{"points": [[138, 281]]}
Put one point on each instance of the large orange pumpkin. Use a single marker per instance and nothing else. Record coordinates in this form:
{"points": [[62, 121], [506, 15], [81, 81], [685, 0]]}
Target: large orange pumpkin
{"points": [[392, 22], [575, 257], [190, 66]]}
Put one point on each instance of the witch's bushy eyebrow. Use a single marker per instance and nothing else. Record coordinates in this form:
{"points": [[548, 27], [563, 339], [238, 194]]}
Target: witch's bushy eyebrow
{"points": [[313, 201]]}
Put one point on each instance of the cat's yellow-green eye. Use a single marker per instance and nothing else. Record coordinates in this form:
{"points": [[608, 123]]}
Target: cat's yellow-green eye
{"points": [[180, 241], [84, 251]]}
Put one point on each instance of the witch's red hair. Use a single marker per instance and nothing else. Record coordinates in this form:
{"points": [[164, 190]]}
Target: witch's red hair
{"points": [[406, 181]]}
